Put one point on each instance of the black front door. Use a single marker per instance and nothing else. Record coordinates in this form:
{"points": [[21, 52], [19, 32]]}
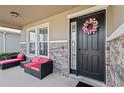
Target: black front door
{"points": [[91, 48]]}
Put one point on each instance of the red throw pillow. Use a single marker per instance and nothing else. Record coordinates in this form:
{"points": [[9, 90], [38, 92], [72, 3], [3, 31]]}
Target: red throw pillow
{"points": [[43, 60], [20, 56], [36, 59]]}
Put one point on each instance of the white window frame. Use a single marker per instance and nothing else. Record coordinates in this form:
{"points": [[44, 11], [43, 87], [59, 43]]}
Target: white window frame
{"points": [[36, 28], [40, 27], [28, 42], [73, 63]]}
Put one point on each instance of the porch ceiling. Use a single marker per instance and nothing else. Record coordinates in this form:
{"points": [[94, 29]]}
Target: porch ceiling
{"points": [[29, 14]]}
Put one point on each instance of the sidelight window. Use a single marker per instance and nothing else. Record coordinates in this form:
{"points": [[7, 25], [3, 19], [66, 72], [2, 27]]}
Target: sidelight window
{"points": [[73, 45]]}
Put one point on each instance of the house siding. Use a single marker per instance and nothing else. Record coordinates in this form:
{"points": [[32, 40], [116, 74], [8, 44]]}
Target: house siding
{"points": [[115, 17], [58, 25]]}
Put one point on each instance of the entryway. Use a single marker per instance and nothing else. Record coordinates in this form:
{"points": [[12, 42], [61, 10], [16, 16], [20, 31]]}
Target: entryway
{"points": [[87, 45]]}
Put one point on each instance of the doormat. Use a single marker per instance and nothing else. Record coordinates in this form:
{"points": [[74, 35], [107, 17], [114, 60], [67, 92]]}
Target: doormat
{"points": [[80, 84]]}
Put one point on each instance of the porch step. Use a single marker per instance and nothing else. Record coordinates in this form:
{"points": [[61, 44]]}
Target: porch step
{"points": [[87, 80]]}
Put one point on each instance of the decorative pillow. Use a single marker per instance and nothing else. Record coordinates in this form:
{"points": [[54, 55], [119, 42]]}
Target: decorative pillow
{"points": [[36, 59], [43, 60], [20, 56]]}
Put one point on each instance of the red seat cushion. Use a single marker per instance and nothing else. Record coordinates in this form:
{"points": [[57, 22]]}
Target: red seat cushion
{"points": [[20, 56], [29, 64], [10, 61], [33, 65], [36, 65]]}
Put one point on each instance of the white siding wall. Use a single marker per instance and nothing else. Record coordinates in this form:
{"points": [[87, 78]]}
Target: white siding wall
{"points": [[11, 42]]}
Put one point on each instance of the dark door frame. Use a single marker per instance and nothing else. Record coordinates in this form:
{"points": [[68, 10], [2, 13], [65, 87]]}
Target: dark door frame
{"points": [[73, 20]]}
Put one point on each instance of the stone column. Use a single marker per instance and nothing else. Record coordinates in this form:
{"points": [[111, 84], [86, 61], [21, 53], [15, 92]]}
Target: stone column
{"points": [[115, 70], [59, 54]]}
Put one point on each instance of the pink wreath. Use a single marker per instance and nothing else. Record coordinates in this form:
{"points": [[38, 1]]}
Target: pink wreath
{"points": [[90, 26]]}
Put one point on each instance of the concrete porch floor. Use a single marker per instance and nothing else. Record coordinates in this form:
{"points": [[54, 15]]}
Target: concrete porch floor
{"points": [[15, 77]]}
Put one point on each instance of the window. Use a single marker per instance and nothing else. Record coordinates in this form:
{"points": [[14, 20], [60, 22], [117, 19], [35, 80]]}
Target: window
{"points": [[73, 45], [32, 39], [43, 41], [38, 42]]}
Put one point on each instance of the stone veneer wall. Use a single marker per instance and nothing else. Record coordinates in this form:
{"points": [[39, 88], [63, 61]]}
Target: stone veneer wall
{"points": [[22, 47], [115, 62], [59, 54]]}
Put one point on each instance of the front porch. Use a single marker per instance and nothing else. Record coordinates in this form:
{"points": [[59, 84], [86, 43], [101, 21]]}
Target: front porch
{"points": [[15, 77], [54, 36]]}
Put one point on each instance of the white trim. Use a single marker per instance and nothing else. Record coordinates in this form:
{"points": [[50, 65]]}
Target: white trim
{"points": [[32, 42], [36, 42], [4, 42], [58, 41], [27, 46], [69, 57], [87, 11], [117, 33], [105, 70], [10, 30], [48, 38]]}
